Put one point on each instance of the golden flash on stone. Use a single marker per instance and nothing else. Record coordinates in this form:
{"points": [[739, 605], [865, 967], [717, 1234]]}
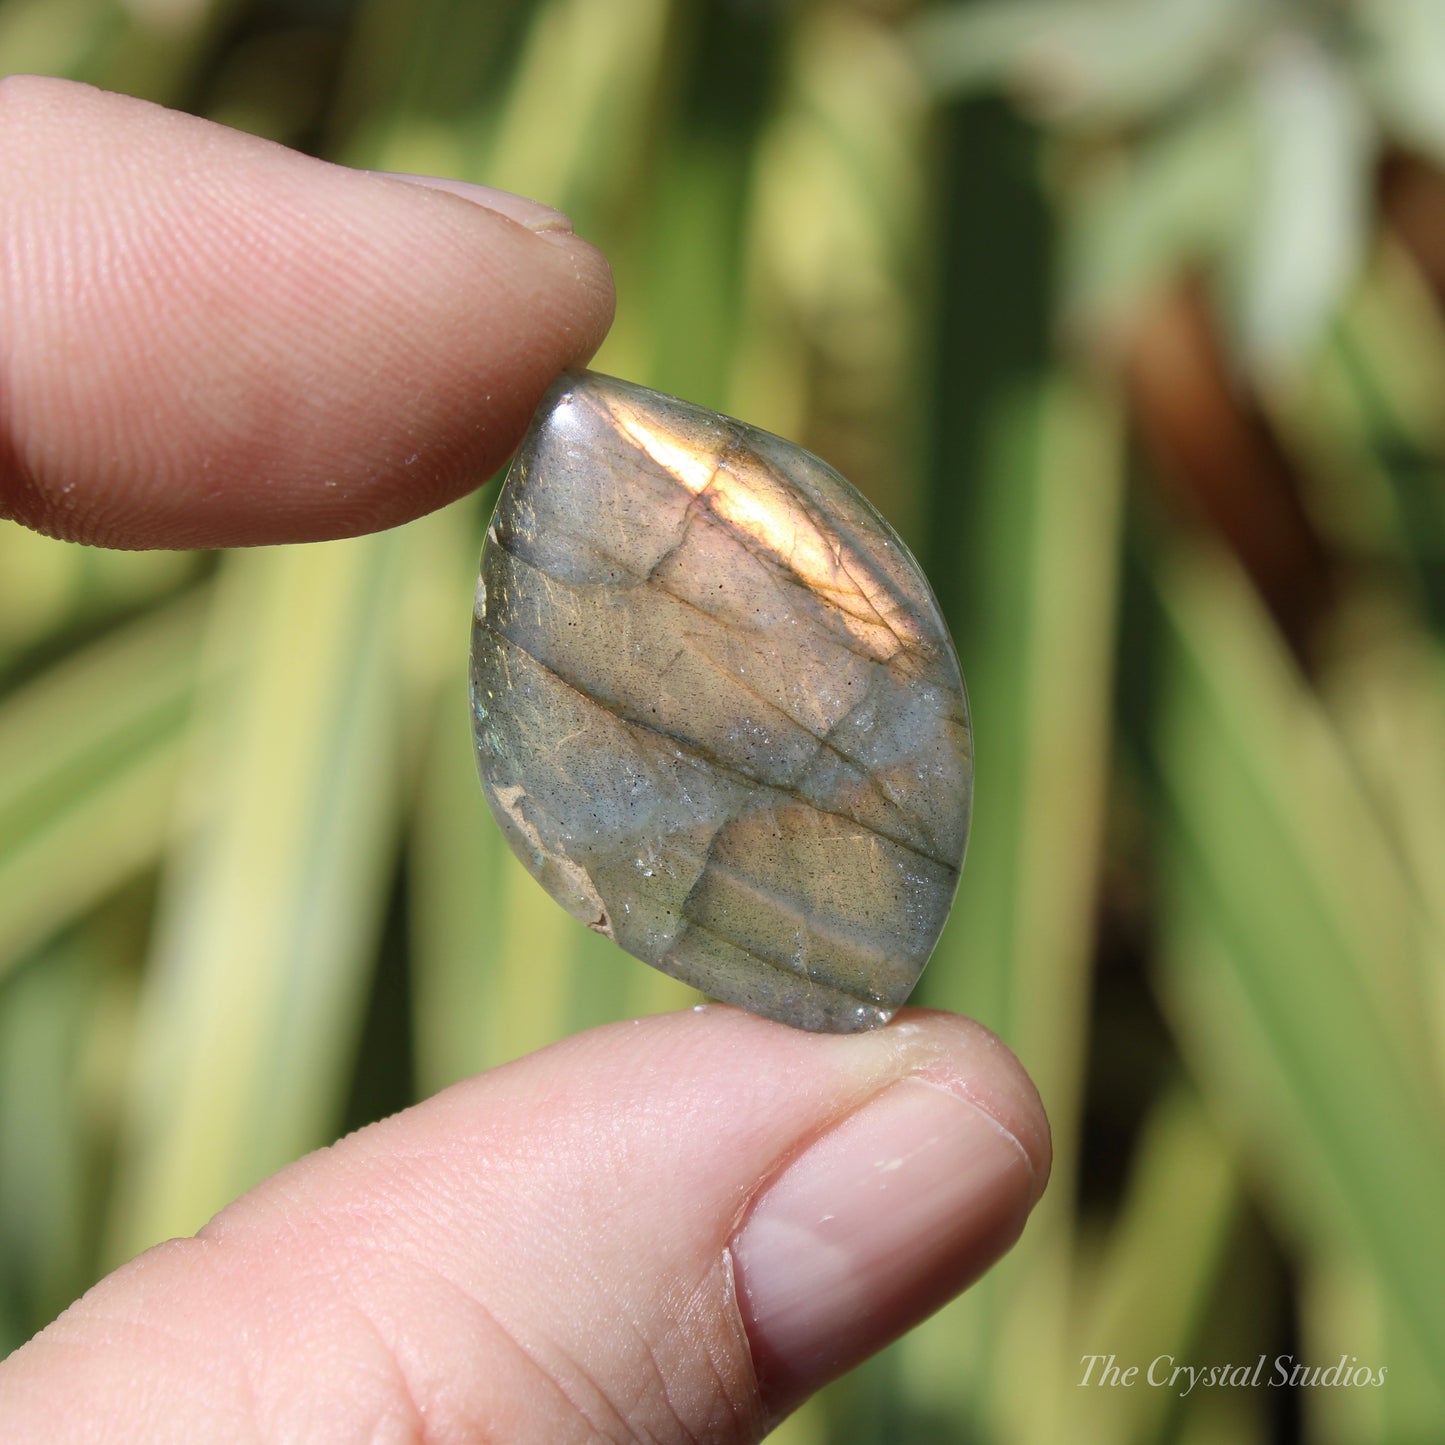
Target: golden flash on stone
{"points": [[717, 711]]}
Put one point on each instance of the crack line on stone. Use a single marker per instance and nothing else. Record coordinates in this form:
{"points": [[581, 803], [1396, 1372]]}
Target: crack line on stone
{"points": [[909, 660], [825, 743], [812, 921], [822, 985], [684, 531], [733, 447], [771, 558], [705, 757]]}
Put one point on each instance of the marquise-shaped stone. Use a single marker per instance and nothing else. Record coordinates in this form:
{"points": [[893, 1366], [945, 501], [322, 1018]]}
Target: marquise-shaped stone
{"points": [[717, 711]]}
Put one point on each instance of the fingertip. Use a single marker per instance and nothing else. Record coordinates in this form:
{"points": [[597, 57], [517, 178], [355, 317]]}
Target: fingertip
{"points": [[671, 1228], [211, 340], [891, 1211], [961, 1056]]}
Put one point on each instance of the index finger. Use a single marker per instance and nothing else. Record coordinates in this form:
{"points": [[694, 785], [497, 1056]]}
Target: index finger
{"points": [[208, 340]]}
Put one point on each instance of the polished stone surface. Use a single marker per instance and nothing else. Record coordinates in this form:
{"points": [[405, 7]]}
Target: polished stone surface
{"points": [[717, 711]]}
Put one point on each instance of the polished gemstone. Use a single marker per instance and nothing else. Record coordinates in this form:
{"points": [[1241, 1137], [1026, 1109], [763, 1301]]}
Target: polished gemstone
{"points": [[718, 714]]}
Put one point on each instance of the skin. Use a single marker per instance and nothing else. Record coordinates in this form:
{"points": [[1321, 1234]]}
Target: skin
{"points": [[673, 1229]]}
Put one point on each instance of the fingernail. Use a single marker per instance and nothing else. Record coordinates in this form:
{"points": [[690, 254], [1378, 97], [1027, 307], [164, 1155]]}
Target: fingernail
{"points": [[531, 214], [873, 1227]]}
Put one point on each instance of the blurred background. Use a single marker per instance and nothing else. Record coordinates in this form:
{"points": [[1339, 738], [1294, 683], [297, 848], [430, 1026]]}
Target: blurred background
{"points": [[1128, 313]]}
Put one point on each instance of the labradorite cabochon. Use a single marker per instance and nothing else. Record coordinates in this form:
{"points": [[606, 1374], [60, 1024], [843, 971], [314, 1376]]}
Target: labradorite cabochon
{"points": [[717, 711]]}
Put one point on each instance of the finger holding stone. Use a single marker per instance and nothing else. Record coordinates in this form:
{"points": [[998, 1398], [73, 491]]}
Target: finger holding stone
{"points": [[207, 339], [672, 1229]]}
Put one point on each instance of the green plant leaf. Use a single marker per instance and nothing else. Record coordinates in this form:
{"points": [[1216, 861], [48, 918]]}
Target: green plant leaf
{"points": [[1292, 967], [92, 752], [1017, 951], [1310, 211], [252, 1001], [1404, 57], [1088, 62], [1160, 1268]]}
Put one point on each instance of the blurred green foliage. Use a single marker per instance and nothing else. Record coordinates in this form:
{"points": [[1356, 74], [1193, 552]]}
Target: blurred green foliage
{"points": [[1128, 314]]}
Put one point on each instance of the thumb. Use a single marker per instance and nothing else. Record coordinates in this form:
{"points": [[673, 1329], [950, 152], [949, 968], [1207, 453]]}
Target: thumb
{"points": [[673, 1229]]}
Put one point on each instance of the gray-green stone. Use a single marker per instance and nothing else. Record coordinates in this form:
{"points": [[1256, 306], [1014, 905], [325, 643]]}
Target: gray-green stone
{"points": [[718, 714]]}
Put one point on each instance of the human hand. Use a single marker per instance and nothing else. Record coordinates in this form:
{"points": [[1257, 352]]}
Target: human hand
{"points": [[670, 1229]]}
